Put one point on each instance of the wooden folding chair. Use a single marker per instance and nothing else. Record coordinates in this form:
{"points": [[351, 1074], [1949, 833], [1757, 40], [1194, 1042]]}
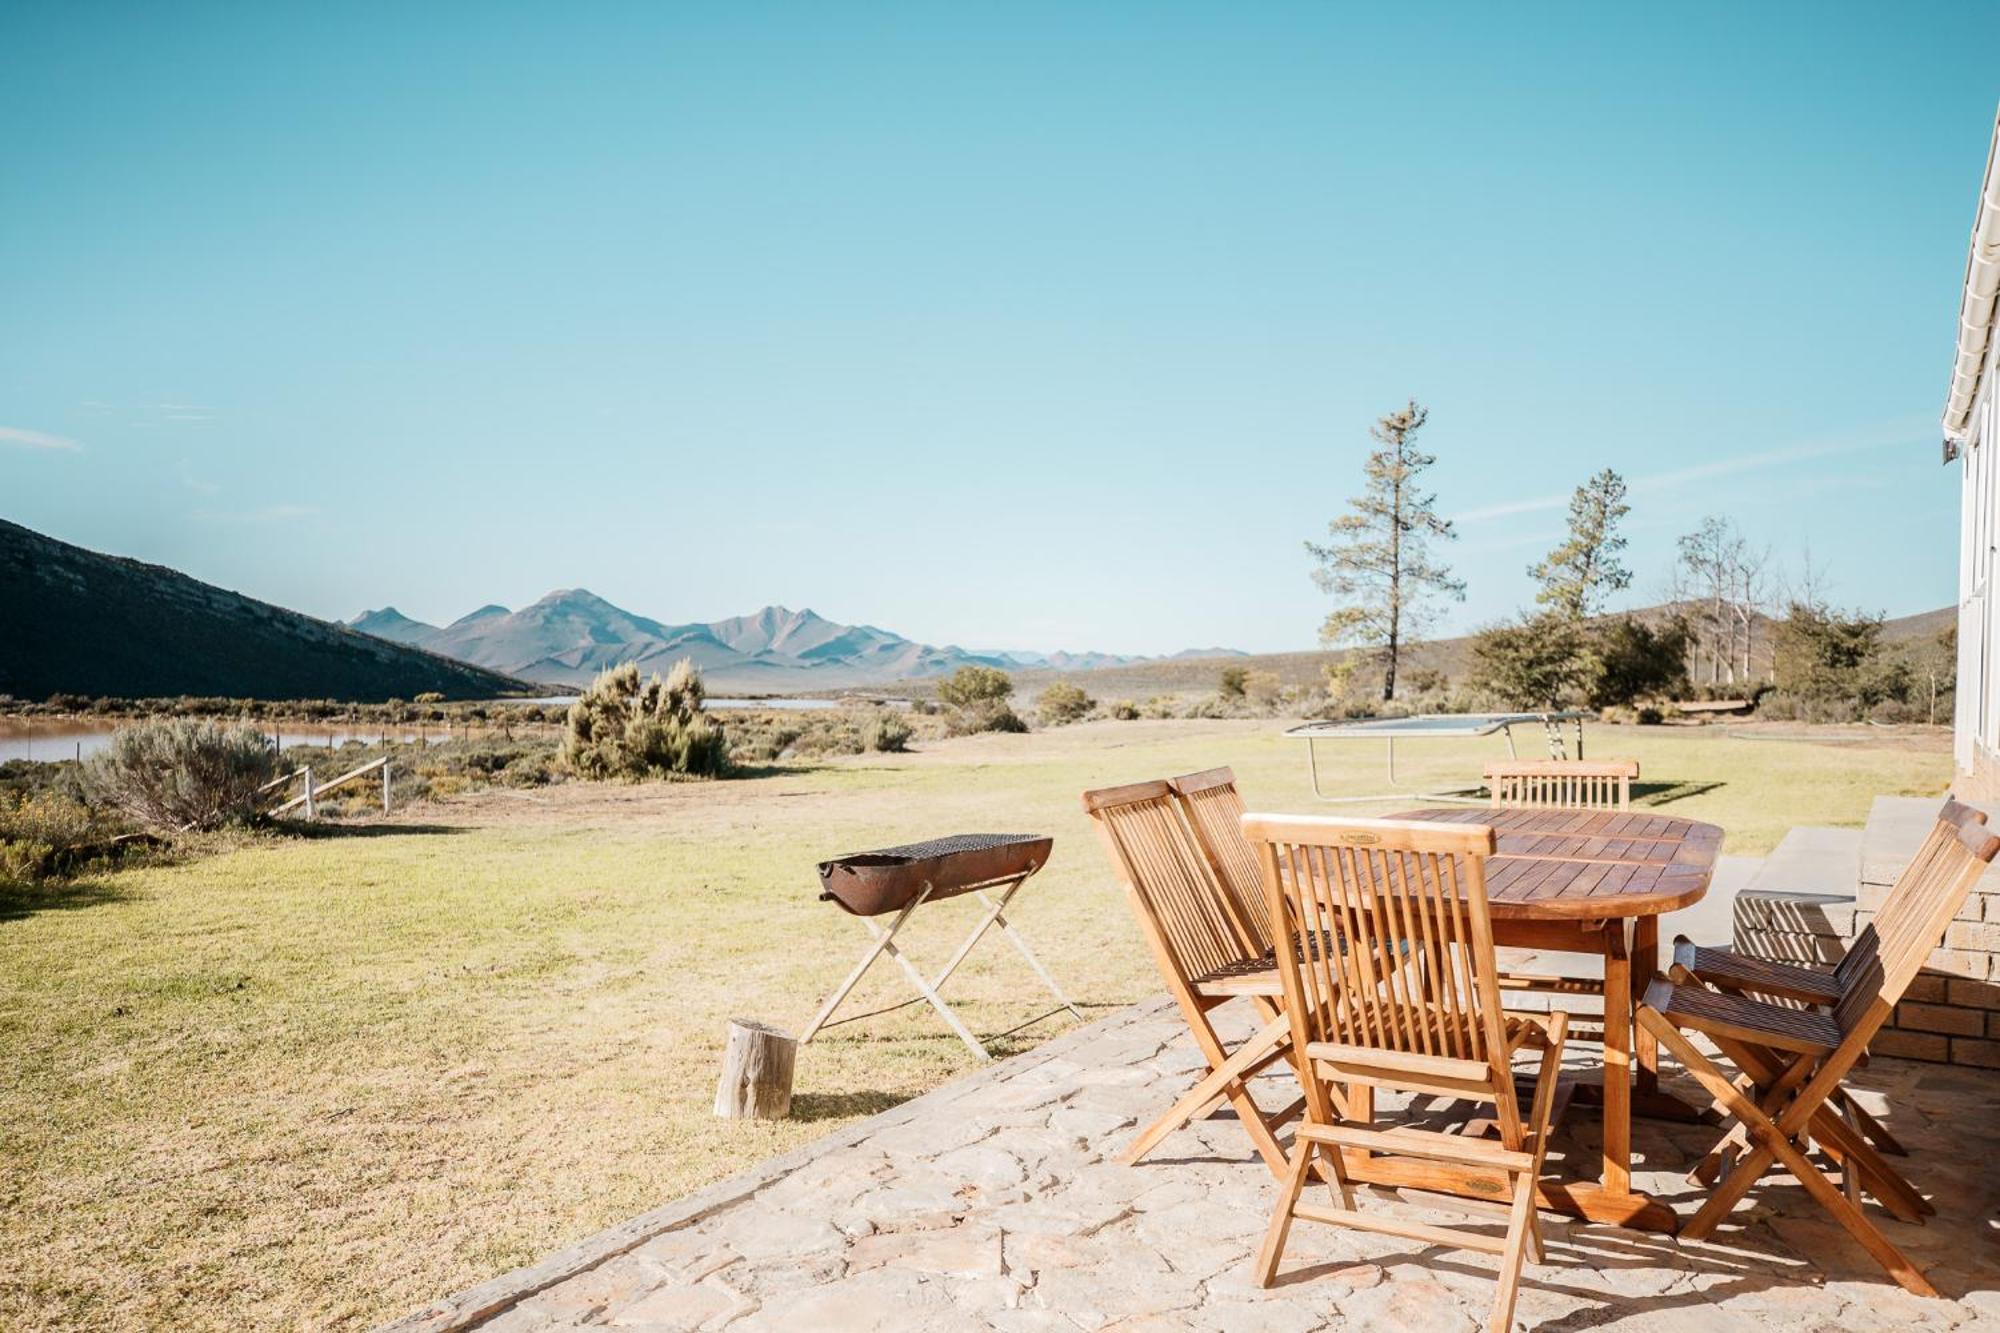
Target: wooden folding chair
{"points": [[1214, 811], [1794, 1060], [1205, 952], [1803, 986], [1432, 1026], [1562, 784]]}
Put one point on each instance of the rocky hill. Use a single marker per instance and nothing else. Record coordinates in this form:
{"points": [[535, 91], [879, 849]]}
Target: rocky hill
{"points": [[73, 621]]}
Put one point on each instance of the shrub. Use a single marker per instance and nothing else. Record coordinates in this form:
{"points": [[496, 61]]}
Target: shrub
{"points": [[1124, 710], [1635, 661], [1538, 662], [1262, 688], [1063, 703], [178, 774], [1832, 664], [975, 687], [620, 728], [886, 732], [996, 716], [1231, 681]]}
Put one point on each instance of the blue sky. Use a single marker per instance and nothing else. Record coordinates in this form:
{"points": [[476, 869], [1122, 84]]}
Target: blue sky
{"points": [[1010, 325]]}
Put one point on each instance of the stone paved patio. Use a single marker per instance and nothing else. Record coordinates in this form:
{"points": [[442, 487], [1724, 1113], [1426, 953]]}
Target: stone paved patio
{"points": [[992, 1203]]}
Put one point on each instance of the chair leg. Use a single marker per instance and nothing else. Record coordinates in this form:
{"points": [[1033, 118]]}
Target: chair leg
{"points": [[1877, 1132], [1281, 1217], [1520, 1226], [1220, 1083], [1772, 1144]]}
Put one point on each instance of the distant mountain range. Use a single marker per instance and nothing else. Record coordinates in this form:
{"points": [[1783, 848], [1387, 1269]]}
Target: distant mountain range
{"points": [[570, 635], [73, 621]]}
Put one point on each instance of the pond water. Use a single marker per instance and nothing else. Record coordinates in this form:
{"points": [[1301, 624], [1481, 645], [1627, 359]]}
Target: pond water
{"points": [[47, 741], [803, 705]]}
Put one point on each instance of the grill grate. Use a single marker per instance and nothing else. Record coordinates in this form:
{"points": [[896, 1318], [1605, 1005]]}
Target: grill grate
{"points": [[956, 844]]}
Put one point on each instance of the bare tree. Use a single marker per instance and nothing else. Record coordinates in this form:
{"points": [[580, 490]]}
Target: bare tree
{"points": [[1379, 561], [1725, 586]]}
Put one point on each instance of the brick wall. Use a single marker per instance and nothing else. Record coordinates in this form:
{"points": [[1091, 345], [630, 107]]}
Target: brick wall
{"points": [[1951, 1012]]}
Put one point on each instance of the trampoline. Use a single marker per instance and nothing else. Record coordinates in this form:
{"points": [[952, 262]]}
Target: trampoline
{"points": [[1435, 726]]}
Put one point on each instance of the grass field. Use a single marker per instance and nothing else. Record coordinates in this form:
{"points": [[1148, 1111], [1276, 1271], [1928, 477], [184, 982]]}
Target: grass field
{"points": [[314, 1081]]}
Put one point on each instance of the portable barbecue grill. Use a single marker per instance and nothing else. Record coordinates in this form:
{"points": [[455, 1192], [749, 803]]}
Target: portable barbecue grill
{"points": [[899, 880]]}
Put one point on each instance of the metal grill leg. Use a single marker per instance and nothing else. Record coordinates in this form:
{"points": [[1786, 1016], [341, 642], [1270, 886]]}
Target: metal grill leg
{"points": [[930, 993], [882, 943], [1020, 942]]}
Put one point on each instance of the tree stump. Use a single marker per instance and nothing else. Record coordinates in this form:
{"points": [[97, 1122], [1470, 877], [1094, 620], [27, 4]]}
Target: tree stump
{"points": [[756, 1081]]}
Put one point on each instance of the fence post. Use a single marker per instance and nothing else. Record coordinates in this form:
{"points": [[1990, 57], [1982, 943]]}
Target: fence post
{"points": [[311, 813], [385, 786]]}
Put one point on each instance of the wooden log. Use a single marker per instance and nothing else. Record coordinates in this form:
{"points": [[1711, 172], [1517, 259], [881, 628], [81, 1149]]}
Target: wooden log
{"points": [[756, 1081]]}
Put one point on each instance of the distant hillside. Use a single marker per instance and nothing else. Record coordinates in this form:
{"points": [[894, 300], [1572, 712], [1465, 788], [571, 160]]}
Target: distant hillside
{"points": [[1188, 674], [570, 635], [76, 622]]}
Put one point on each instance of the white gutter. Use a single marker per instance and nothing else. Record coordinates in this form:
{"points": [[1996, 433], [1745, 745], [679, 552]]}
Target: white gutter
{"points": [[1976, 306]]}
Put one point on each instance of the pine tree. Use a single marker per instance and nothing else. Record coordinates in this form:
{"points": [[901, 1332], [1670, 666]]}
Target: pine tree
{"points": [[1379, 562], [1579, 574]]}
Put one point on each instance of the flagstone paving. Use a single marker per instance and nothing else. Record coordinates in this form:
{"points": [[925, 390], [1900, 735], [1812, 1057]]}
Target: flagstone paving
{"points": [[995, 1202]]}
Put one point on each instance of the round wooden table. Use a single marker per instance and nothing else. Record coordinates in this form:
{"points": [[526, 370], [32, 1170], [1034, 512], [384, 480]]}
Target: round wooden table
{"points": [[1597, 882]]}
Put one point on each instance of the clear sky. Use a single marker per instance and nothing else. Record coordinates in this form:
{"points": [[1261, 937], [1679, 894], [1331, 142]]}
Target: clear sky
{"points": [[1010, 326]]}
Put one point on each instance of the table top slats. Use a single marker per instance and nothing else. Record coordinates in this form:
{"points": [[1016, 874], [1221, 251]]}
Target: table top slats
{"points": [[1589, 864]]}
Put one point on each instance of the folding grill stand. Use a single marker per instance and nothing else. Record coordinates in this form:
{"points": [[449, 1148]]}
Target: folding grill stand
{"points": [[884, 942]]}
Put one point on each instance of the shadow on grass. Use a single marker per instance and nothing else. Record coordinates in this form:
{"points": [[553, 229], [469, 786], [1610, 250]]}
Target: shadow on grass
{"points": [[325, 829], [20, 900], [812, 1106], [786, 769], [1666, 793]]}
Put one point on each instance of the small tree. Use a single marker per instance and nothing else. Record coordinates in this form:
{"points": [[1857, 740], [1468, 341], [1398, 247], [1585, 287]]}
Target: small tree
{"points": [[179, 774], [1827, 657], [1063, 703], [1539, 662], [1578, 575], [620, 728], [1635, 660], [975, 686], [1231, 680], [1379, 561]]}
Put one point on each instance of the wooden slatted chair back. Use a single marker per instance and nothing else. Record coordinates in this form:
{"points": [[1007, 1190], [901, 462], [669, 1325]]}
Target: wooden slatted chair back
{"points": [[1562, 784], [1389, 889], [1167, 880], [1214, 811], [1913, 918]]}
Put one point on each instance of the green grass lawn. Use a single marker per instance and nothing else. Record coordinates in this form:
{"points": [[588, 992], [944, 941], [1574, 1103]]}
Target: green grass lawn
{"points": [[315, 1081]]}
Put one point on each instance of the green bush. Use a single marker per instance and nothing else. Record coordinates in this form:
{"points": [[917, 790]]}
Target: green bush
{"points": [[994, 716], [39, 832], [975, 687], [886, 732], [1063, 703], [178, 774], [1634, 660], [621, 728]]}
